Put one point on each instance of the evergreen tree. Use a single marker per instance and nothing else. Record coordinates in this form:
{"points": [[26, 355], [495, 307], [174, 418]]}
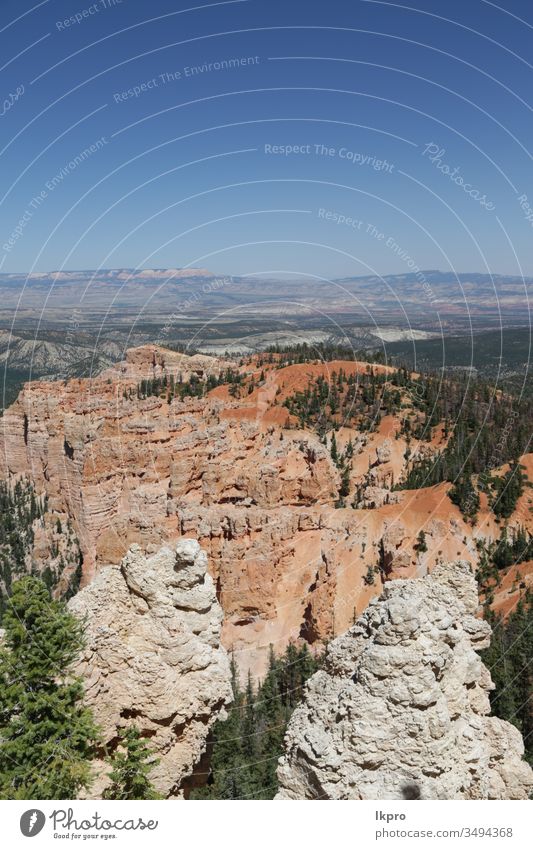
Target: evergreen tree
{"points": [[272, 723], [226, 777], [509, 661], [421, 545], [131, 765], [464, 495], [509, 488], [334, 450], [19, 508], [250, 747], [47, 735], [344, 489], [246, 746], [370, 577]]}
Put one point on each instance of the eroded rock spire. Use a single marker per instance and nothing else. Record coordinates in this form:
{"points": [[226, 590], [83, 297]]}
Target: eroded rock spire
{"points": [[153, 657], [401, 709]]}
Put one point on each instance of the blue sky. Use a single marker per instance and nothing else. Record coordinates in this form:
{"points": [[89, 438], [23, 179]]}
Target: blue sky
{"points": [[337, 138]]}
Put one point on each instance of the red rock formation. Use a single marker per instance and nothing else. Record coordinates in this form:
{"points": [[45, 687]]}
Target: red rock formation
{"points": [[260, 498]]}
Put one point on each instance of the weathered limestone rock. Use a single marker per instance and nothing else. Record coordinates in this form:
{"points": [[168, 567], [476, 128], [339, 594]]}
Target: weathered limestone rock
{"points": [[401, 708], [377, 496], [384, 452], [153, 656], [153, 361]]}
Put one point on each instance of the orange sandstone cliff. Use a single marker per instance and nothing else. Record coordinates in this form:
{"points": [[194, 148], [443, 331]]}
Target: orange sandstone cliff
{"points": [[239, 475]]}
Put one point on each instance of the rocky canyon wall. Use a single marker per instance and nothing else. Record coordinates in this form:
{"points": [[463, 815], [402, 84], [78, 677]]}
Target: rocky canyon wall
{"points": [[258, 492]]}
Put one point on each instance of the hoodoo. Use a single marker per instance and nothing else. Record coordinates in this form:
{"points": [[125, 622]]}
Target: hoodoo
{"points": [[401, 709], [153, 657]]}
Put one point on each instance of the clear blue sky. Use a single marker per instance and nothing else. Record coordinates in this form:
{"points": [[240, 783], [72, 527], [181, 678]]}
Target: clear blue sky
{"points": [[191, 168]]}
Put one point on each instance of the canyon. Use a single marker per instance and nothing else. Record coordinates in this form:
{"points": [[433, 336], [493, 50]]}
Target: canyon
{"points": [[233, 469]]}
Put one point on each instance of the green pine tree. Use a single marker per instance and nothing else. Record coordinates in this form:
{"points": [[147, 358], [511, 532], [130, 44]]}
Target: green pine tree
{"points": [[272, 724], [226, 779], [463, 494], [131, 766], [421, 545], [509, 488], [246, 746], [47, 735], [509, 661], [344, 489], [334, 452]]}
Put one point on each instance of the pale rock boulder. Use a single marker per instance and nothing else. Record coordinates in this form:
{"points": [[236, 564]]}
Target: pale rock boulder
{"points": [[384, 452], [377, 496], [401, 709], [153, 361], [153, 657]]}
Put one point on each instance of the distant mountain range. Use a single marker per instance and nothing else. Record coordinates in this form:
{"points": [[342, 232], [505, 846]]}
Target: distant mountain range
{"points": [[421, 297], [75, 323]]}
